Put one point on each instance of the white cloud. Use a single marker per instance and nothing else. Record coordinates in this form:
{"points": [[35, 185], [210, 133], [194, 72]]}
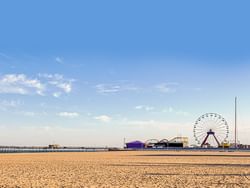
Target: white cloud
{"points": [[182, 113], [139, 107], [58, 81], [165, 110], [13, 106], [121, 86], [176, 112], [170, 109], [106, 88], [9, 104], [59, 60], [103, 118], [115, 88], [143, 107], [32, 114], [68, 114], [66, 87], [57, 94], [170, 87], [20, 84], [44, 84]]}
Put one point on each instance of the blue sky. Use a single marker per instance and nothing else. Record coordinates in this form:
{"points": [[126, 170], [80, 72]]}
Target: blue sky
{"points": [[92, 73]]}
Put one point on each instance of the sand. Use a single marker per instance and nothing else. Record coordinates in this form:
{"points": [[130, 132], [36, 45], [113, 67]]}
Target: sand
{"points": [[126, 169]]}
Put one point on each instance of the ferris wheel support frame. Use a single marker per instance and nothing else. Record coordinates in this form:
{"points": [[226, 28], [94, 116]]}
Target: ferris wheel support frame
{"points": [[210, 132]]}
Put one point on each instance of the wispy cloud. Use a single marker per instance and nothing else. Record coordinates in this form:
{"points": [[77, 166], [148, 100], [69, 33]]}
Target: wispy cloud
{"points": [[111, 88], [9, 104], [31, 114], [59, 60], [103, 118], [20, 84], [108, 88], [4, 55], [14, 107], [160, 125], [165, 110], [170, 87], [174, 111], [68, 114], [115, 88], [57, 94], [43, 84], [59, 81], [144, 107], [197, 89]]}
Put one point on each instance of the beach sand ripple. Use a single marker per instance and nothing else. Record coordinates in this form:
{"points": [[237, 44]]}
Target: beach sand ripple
{"points": [[126, 169]]}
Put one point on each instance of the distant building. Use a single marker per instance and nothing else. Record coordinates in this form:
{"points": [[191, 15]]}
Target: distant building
{"points": [[135, 145], [243, 146], [54, 146], [179, 142]]}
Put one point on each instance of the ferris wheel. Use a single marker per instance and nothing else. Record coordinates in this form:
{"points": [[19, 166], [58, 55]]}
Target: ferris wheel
{"points": [[211, 129]]}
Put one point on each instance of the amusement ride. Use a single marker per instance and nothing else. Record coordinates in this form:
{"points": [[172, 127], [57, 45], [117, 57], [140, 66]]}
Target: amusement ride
{"points": [[211, 130]]}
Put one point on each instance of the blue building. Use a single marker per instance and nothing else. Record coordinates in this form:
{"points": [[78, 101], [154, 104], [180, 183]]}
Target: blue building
{"points": [[135, 145]]}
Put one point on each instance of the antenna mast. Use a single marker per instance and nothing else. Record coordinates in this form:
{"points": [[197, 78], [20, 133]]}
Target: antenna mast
{"points": [[235, 123]]}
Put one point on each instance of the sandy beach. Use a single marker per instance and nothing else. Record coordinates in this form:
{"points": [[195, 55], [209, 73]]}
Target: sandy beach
{"points": [[126, 169]]}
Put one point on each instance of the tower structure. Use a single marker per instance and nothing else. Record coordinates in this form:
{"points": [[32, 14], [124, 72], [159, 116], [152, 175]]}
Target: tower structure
{"points": [[235, 124]]}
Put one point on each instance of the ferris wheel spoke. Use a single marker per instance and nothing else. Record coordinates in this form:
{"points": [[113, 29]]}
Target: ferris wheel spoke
{"points": [[221, 132], [217, 119], [201, 136], [221, 139], [220, 135], [200, 132], [221, 127], [219, 124]]}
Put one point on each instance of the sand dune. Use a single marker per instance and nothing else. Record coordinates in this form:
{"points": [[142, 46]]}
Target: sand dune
{"points": [[126, 169]]}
